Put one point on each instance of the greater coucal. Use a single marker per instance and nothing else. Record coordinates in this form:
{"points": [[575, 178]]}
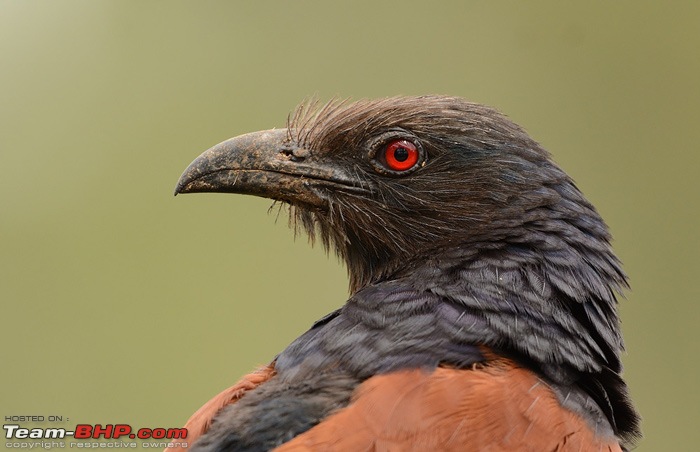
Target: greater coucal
{"points": [[482, 313]]}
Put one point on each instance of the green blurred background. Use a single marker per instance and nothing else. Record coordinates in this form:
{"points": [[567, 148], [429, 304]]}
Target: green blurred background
{"points": [[121, 303]]}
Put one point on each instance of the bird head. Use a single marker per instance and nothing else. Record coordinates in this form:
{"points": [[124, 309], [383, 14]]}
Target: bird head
{"points": [[384, 182]]}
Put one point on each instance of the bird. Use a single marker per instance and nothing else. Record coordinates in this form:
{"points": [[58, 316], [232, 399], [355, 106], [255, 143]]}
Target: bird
{"points": [[482, 310]]}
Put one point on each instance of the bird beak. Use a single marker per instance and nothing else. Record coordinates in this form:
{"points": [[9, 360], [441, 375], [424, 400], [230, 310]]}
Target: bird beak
{"points": [[263, 164]]}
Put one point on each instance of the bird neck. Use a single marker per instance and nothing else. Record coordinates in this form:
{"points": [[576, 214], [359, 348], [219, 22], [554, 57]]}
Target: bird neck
{"points": [[561, 272]]}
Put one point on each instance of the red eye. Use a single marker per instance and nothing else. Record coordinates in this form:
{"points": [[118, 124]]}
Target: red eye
{"points": [[401, 155]]}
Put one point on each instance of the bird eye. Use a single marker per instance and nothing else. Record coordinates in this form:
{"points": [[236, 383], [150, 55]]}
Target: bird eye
{"points": [[401, 155]]}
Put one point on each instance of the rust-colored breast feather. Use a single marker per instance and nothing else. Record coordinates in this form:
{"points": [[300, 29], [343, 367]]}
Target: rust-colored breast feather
{"points": [[200, 421], [491, 408]]}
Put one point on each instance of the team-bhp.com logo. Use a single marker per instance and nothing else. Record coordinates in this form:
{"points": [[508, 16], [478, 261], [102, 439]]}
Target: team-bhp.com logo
{"points": [[97, 431]]}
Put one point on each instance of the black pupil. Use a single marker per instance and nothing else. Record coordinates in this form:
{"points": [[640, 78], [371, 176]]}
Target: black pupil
{"points": [[401, 154]]}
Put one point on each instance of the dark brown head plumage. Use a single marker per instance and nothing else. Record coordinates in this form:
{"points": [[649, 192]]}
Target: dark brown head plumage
{"points": [[483, 180]]}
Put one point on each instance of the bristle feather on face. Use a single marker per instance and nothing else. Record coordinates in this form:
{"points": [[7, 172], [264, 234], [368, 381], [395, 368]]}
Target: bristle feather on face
{"points": [[485, 180]]}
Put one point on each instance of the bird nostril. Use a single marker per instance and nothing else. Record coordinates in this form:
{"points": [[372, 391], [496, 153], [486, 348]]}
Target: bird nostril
{"points": [[294, 154]]}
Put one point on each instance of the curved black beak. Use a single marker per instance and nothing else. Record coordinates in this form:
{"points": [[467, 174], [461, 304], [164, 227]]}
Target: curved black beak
{"points": [[263, 164]]}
